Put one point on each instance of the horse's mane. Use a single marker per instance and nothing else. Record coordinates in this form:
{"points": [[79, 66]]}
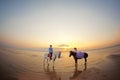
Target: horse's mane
{"points": [[72, 52]]}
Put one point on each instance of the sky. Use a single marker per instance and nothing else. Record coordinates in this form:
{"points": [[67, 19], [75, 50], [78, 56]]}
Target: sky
{"points": [[62, 23]]}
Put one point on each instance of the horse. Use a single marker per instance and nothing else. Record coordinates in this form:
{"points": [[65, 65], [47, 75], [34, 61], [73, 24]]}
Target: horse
{"points": [[74, 54], [54, 56]]}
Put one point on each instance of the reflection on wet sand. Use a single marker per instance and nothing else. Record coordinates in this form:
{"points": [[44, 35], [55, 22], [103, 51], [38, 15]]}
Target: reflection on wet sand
{"points": [[78, 72], [51, 73]]}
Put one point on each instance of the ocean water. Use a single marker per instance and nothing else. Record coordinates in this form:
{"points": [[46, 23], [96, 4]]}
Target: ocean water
{"points": [[30, 65]]}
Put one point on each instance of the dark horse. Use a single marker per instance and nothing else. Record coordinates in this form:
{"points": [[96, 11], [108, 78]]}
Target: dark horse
{"points": [[75, 58]]}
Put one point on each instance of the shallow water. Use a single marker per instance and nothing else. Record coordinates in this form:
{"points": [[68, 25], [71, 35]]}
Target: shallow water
{"points": [[30, 65]]}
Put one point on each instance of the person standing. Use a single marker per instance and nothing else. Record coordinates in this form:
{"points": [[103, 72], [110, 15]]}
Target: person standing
{"points": [[50, 52]]}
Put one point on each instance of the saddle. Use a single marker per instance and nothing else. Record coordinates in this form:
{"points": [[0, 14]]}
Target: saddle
{"points": [[80, 55]]}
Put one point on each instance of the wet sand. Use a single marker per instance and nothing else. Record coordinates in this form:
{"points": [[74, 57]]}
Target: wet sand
{"points": [[28, 65]]}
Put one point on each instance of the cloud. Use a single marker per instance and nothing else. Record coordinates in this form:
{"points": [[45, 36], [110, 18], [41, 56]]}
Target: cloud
{"points": [[63, 45]]}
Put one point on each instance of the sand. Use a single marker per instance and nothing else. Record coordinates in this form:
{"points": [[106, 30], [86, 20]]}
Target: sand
{"points": [[28, 65]]}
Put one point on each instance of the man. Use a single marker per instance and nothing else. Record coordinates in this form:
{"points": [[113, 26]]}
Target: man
{"points": [[50, 52]]}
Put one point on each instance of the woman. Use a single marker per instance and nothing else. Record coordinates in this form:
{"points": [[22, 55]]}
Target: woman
{"points": [[50, 52]]}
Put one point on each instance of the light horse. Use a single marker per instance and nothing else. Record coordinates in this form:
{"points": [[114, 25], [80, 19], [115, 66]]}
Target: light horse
{"points": [[72, 53], [54, 56]]}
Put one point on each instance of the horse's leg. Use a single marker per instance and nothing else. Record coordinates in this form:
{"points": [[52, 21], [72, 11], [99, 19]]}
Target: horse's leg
{"points": [[75, 60], [48, 60], [85, 59], [85, 56], [45, 58], [53, 63], [53, 59], [76, 65], [85, 66], [44, 62]]}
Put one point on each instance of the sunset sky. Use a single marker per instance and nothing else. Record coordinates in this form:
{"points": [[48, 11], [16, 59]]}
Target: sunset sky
{"points": [[62, 23]]}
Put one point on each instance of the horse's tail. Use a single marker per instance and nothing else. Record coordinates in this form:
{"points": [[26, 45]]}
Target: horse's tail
{"points": [[85, 55]]}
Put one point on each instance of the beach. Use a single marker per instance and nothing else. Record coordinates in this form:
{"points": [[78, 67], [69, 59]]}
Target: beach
{"points": [[103, 64]]}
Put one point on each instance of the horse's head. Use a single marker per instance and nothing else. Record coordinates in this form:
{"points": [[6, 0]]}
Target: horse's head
{"points": [[71, 53]]}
